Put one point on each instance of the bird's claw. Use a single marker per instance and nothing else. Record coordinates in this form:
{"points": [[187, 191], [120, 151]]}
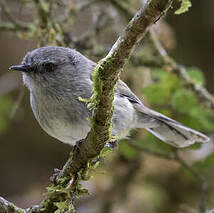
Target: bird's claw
{"points": [[54, 176], [112, 145]]}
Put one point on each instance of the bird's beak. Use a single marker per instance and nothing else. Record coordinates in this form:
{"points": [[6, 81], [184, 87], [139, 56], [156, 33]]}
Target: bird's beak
{"points": [[21, 67]]}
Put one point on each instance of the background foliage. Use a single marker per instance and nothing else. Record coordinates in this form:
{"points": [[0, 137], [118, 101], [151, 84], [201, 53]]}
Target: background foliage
{"points": [[144, 175]]}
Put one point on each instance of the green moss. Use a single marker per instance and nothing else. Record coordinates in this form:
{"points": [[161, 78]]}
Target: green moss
{"points": [[13, 208], [97, 83], [99, 77], [61, 206], [185, 5], [105, 151]]}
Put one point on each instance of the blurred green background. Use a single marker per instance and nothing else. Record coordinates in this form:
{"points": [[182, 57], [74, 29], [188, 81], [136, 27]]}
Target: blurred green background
{"points": [[129, 180]]}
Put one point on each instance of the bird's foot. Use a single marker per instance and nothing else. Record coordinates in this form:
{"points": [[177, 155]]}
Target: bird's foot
{"points": [[78, 143], [54, 176], [112, 144]]}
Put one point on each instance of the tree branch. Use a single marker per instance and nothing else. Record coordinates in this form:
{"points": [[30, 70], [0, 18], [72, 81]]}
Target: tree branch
{"points": [[203, 180], [171, 156], [13, 24], [180, 70], [8, 207], [105, 77]]}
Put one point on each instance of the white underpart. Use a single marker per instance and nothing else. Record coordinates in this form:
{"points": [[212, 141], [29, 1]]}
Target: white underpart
{"points": [[124, 119]]}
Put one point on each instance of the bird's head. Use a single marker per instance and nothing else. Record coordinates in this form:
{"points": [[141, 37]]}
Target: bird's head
{"points": [[52, 67]]}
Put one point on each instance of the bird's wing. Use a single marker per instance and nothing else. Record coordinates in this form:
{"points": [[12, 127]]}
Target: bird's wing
{"points": [[123, 90]]}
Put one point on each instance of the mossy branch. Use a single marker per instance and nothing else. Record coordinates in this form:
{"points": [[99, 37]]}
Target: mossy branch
{"points": [[8, 207], [201, 92], [105, 77]]}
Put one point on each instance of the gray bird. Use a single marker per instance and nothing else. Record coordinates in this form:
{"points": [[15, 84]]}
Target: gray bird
{"points": [[56, 77]]}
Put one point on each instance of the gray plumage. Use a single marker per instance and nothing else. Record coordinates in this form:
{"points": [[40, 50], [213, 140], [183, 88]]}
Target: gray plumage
{"points": [[57, 77]]}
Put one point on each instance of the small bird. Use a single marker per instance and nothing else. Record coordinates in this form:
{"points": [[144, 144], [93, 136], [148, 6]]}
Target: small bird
{"points": [[57, 77]]}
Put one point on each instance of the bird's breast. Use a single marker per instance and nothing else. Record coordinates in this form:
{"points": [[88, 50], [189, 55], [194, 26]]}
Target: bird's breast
{"points": [[64, 120]]}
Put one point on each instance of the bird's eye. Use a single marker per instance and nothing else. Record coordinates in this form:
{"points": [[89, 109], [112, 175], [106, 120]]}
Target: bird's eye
{"points": [[49, 66]]}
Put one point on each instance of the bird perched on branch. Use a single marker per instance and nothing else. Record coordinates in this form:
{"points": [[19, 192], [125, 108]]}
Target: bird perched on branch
{"points": [[56, 77]]}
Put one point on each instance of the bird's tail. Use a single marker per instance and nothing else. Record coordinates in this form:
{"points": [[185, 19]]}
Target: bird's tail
{"points": [[171, 131]]}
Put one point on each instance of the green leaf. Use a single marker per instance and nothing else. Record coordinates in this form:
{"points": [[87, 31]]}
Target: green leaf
{"points": [[203, 117], [170, 93], [191, 114], [156, 94], [161, 90], [185, 5], [183, 100], [105, 151]]}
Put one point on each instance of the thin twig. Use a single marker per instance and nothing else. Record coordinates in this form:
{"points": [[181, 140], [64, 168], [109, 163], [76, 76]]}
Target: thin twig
{"points": [[168, 156], [202, 204], [180, 70], [171, 156], [204, 190], [190, 168], [204, 181], [43, 13], [14, 23]]}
